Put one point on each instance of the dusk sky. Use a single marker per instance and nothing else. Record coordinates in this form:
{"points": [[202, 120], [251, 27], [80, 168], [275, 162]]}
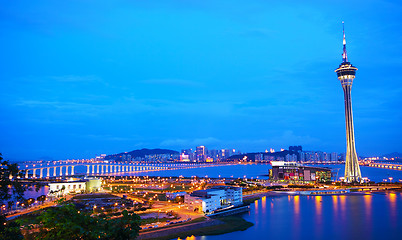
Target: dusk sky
{"points": [[81, 78]]}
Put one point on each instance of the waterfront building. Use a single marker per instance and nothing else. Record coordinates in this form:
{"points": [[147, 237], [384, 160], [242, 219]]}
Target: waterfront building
{"points": [[346, 74], [73, 186], [214, 198], [282, 170]]}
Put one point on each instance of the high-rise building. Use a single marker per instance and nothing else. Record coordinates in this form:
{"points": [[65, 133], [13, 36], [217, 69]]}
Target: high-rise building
{"points": [[346, 73], [200, 153], [189, 153], [334, 156]]}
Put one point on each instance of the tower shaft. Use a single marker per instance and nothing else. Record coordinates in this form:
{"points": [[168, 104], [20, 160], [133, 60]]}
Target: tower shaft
{"points": [[352, 168]]}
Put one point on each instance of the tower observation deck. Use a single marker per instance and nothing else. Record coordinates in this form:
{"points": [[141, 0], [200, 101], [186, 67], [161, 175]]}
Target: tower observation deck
{"points": [[346, 74]]}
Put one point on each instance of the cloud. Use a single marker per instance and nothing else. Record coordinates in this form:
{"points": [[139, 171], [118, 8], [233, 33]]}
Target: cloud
{"points": [[76, 78], [188, 143], [257, 32], [173, 81], [53, 104], [108, 137]]}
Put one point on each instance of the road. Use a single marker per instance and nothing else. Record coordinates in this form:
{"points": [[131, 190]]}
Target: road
{"points": [[32, 209]]}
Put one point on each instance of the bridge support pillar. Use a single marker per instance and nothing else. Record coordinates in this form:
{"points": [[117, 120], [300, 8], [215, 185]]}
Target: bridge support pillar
{"points": [[72, 170], [87, 169], [61, 171], [34, 173], [66, 170], [54, 172], [26, 173], [48, 172]]}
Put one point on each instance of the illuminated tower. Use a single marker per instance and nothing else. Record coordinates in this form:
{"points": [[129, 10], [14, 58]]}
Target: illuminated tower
{"points": [[346, 73]]}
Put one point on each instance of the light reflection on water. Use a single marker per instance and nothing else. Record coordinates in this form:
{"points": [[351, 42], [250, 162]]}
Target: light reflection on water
{"points": [[354, 216]]}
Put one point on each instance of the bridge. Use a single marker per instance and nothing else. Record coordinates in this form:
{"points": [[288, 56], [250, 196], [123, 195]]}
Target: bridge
{"points": [[48, 170], [385, 165]]}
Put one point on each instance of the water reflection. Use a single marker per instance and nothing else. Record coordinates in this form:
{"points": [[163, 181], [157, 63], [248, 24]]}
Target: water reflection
{"points": [[352, 216], [192, 237], [263, 204], [335, 204], [318, 205], [392, 207], [392, 201], [297, 205]]}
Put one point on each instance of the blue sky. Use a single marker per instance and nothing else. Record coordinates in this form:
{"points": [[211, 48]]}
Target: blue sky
{"points": [[80, 78]]}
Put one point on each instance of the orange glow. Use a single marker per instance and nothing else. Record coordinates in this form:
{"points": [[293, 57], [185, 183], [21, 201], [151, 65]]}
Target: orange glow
{"points": [[318, 206], [263, 203], [343, 203], [367, 202], [335, 203], [256, 205], [392, 201], [297, 204]]}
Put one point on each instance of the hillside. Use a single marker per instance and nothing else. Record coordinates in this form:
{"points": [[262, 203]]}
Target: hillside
{"points": [[141, 153]]}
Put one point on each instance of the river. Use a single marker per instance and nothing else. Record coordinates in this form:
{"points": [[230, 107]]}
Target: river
{"points": [[357, 216]]}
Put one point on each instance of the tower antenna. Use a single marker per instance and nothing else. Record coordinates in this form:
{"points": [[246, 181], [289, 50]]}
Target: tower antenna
{"points": [[344, 54]]}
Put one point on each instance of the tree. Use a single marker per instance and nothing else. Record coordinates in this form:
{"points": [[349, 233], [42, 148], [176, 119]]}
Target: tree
{"points": [[126, 227], [41, 198], [9, 176], [10, 183], [66, 222], [9, 230]]}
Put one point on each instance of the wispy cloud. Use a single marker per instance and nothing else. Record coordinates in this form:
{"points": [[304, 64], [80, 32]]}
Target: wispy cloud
{"points": [[53, 104], [173, 82], [76, 78], [185, 143], [257, 32]]}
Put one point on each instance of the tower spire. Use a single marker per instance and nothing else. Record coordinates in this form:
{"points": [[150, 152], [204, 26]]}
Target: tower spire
{"points": [[344, 54]]}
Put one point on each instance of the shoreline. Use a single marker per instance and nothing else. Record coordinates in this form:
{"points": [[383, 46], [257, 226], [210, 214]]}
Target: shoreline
{"points": [[210, 226]]}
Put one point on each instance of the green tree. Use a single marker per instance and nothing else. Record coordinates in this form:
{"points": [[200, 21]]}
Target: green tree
{"points": [[66, 222], [10, 187], [125, 227], [41, 198], [9, 230], [10, 181]]}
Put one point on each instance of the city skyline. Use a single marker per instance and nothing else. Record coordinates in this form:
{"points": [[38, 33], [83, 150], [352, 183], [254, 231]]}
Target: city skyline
{"points": [[83, 79]]}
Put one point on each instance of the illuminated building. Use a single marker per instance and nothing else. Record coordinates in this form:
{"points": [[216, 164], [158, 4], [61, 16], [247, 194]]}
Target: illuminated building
{"points": [[346, 73], [293, 171], [214, 198], [200, 153]]}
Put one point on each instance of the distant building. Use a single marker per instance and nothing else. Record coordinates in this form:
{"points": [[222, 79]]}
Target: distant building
{"points": [[293, 171], [291, 158], [189, 153], [200, 153], [259, 157], [334, 156], [214, 198]]}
